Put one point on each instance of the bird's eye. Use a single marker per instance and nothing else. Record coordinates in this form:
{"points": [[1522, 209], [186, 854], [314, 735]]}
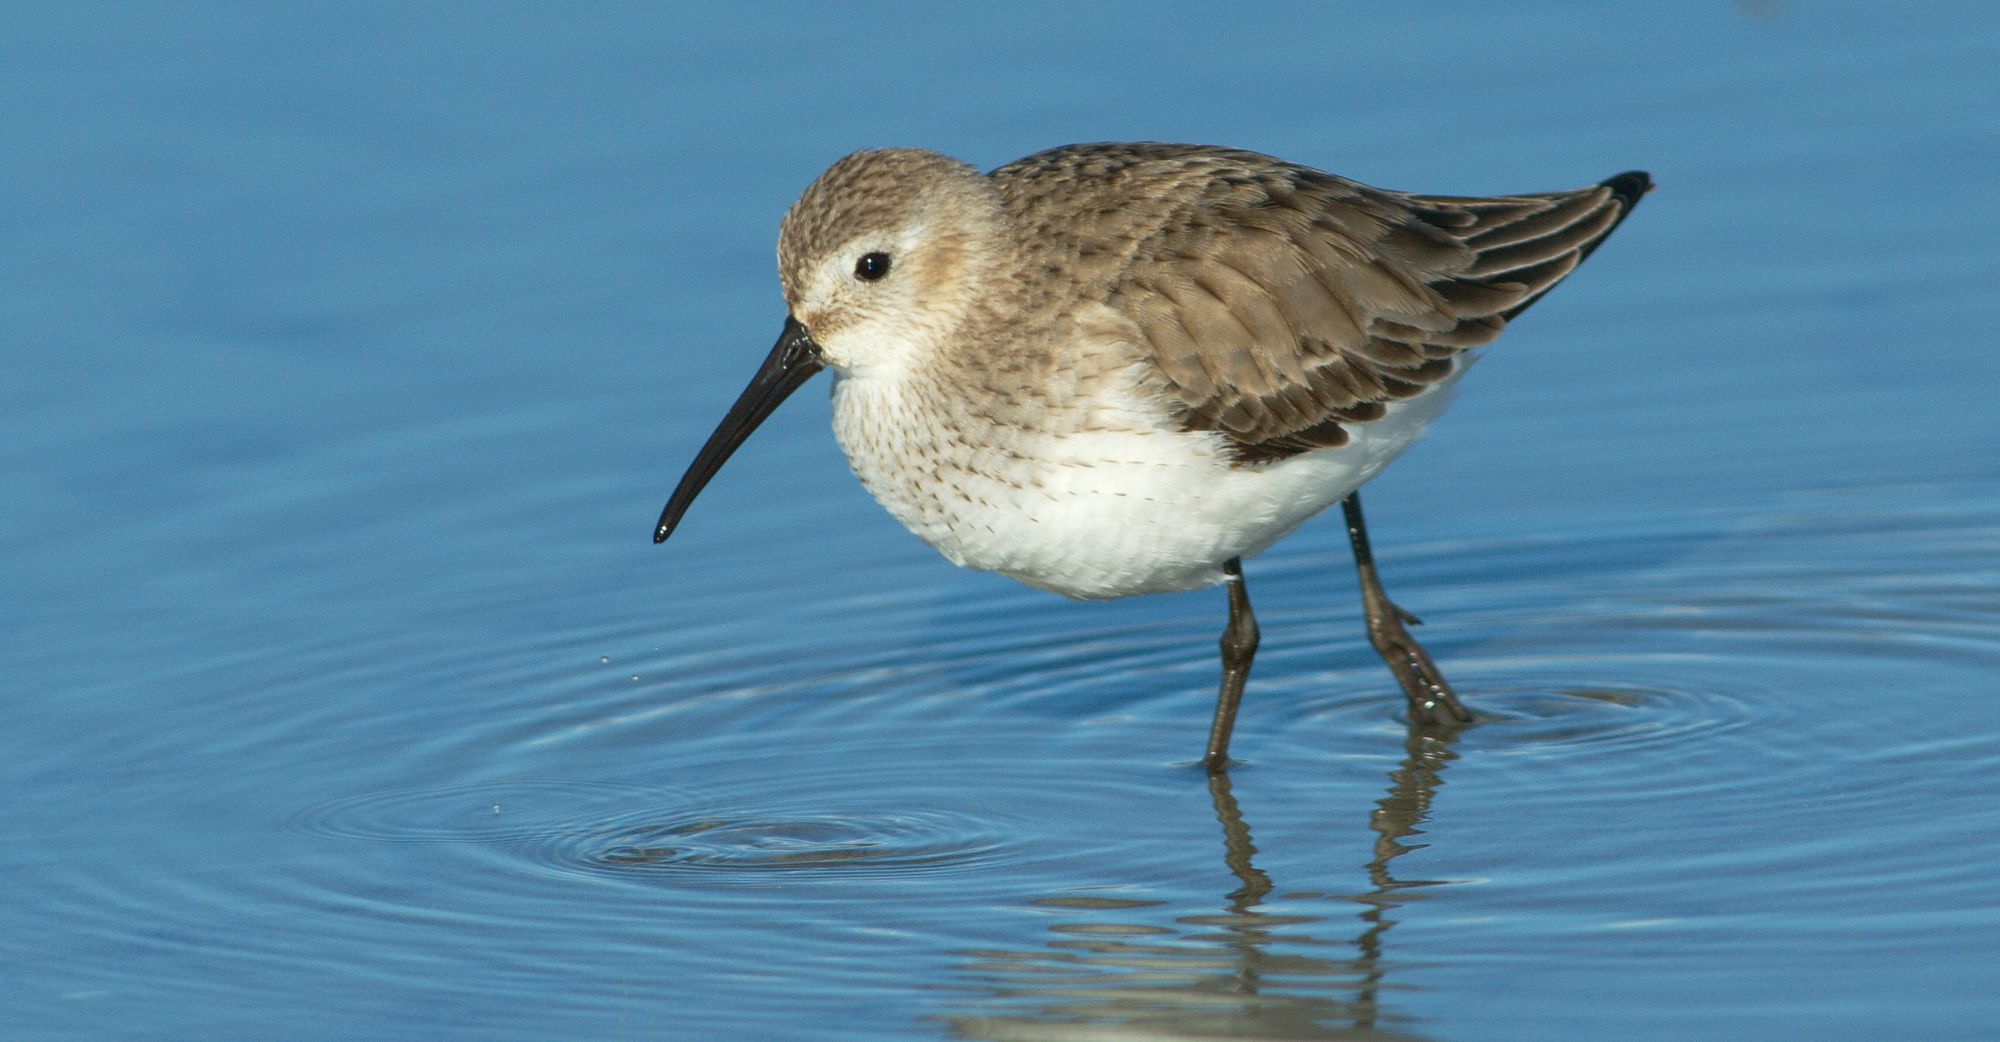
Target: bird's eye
{"points": [[871, 266]]}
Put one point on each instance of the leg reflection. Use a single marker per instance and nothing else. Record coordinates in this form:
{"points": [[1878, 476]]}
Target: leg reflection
{"points": [[1119, 968]]}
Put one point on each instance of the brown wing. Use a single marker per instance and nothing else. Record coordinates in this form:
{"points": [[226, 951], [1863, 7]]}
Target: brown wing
{"points": [[1282, 304]]}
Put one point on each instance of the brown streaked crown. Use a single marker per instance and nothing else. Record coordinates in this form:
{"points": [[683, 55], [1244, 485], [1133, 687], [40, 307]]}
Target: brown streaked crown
{"points": [[876, 190]]}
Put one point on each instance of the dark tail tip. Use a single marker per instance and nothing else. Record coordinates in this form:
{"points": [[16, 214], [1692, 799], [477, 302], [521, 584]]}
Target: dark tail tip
{"points": [[1629, 186]]}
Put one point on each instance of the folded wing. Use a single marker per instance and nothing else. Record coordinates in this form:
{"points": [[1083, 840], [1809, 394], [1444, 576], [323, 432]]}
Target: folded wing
{"points": [[1283, 305]]}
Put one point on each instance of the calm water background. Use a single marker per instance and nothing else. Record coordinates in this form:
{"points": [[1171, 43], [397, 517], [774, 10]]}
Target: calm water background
{"points": [[350, 352]]}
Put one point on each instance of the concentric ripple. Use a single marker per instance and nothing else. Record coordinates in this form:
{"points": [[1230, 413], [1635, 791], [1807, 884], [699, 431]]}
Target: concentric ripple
{"points": [[1566, 720], [485, 812], [632, 830], [848, 844], [1557, 721]]}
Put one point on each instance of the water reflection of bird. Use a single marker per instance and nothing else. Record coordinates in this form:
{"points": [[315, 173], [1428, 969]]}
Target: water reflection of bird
{"points": [[1115, 369], [1126, 969]]}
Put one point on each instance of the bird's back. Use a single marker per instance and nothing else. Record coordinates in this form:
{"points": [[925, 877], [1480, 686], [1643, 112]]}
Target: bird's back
{"points": [[1282, 306]]}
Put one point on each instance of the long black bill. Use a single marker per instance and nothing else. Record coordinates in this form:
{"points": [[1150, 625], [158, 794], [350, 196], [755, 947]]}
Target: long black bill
{"points": [[793, 361]]}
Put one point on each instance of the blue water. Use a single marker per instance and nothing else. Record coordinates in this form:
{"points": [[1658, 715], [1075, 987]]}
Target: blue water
{"points": [[351, 350]]}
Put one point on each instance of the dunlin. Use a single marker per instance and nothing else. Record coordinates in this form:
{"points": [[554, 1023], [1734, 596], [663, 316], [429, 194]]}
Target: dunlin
{"points": [[1114, 369]]}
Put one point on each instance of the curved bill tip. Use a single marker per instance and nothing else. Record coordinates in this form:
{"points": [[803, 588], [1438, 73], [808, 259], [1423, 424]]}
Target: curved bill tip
{"points": [[792, 361]]}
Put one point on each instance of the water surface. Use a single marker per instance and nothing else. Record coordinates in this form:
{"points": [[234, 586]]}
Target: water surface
{"points": [[352, 351]]}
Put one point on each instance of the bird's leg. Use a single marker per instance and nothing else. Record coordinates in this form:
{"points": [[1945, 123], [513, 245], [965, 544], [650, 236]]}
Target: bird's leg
{"points": [[1239, 646], [1431, 700]]}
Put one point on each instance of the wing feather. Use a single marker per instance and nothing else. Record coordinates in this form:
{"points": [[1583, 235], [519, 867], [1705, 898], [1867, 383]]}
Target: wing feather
{"points": [[1280, 305]]}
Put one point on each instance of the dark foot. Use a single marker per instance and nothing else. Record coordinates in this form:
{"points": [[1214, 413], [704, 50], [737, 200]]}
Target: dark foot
{"points": [[1431, 698]]}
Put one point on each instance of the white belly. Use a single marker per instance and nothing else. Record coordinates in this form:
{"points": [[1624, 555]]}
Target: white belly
{"points": [[1124, 509]]}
